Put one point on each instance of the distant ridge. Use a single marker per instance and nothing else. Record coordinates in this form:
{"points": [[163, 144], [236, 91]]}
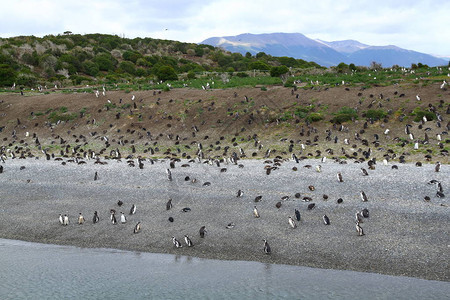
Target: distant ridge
{"points": [[322, 52]]}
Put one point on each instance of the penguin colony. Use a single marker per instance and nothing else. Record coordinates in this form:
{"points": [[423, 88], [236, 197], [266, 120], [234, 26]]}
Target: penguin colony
{"points": [[73, 154]]}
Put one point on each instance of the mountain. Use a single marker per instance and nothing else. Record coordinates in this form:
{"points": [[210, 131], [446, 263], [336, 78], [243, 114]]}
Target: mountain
{"points": [[322, 52], [294, 45]]}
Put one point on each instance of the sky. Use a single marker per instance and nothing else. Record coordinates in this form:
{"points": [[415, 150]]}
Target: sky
{"points": [[420, 25]]}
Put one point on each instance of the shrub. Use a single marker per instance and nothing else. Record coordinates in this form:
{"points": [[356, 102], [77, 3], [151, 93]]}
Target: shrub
{"points": [[166, 73], [314, 117], [375, 114], [419, 113], [344, 114], [278, 71]]}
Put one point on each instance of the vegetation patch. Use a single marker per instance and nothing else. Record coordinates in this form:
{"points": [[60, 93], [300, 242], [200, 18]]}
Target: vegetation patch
{"points": [[345, 114], [419, 113]]}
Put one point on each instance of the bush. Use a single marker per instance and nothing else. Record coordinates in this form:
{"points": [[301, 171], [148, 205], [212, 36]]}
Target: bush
{"points": [[278, 71], [344, 114], [166, 73], [419, 113], [375, 114], [314, 117]]}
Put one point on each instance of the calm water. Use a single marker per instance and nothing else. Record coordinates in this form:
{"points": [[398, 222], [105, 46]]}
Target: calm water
{"points": [[38, 271]]}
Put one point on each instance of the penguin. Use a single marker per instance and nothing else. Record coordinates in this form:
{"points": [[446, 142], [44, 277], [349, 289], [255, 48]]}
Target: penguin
{"points": [[80, 219], [230, 225], [297, 215], [292, 222], [359, 218], [171, 219], [96, 176], [258, 198], [318, 168], [365, 213], [339, 177], [440, 194], [364, 172], [186, 209], [95, 219], [176, 243], [255, 212], [359, 229], [202, 231], [123, 219], [311, 206], [326, 220], [311, 188], [133, 209], [113, 218], [169, 204], [169, 175], [437, 168], [363, 196], [240, 193], [266, 249], [1, 169], [188, 241], [120, 203], [137, 228], [61, 220], [66, 220], [278, 204]]}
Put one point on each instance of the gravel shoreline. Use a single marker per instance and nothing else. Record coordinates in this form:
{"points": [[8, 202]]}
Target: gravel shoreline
{"points": [[404, 235]]}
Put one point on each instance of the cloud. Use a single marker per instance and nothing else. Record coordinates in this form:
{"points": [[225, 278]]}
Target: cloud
{"points": [[417, 25]]}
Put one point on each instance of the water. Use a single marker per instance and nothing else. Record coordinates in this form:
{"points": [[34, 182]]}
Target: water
{"points": [[39, 271]]}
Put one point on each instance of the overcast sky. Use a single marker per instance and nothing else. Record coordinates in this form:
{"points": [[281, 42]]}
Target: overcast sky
{"points": [[420, 25]]}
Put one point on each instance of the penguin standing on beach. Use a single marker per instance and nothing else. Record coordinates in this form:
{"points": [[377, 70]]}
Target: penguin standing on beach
{"points": [[292, 222], [66, 220], [297, 215], [364, 172], [123, 219], [133, 209], [364, 197], [326, 220], [96, 176], [266, 248], [202, 231], [188, 241], [169, 175], [113, 217], [359, 229], [437, 168], [61, 220], [137, 228], [176, 243], [339, 177], [80, 219], [255, 212], [240, 193], [95, 219], [169, 204]]}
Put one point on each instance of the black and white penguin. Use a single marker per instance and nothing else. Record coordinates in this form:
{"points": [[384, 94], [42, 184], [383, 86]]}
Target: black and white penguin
{"points": [[202, 231], [363, 196], [169, 175], [278, 204], [123, 219], [437, 168], [96, 176], [113, 218], [266, 249], [258, 198], [297, 215], [169, 204], [311, 206], [255, 212], [61, 220], [188, 241], [364, 172], [120, 203], [359, 229], [359, 218], [80, 219], [186, 209], [137, 228], [365, 213], [230, 225], [339, 177], [176, 243], [1, 169], [240, 193], [133, 209], [440, 194], [95, 219], [292, 222], [66, 220], [326, 220]]}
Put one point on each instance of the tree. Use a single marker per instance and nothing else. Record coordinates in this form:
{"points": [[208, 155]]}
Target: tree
{"points": [[165, 73], [127, 67], [258, 65], [7, 75], [105, 61], [278, 71], [90, 68]]}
